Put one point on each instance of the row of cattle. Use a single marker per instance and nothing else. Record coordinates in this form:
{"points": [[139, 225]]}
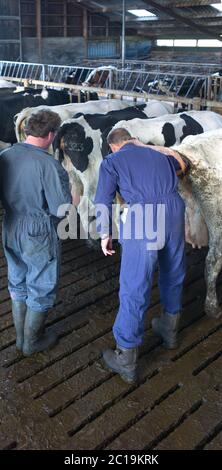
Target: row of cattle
{"points": [[80, 146], [12, 102]]}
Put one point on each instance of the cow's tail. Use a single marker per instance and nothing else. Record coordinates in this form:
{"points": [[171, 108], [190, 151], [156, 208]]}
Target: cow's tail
{"points": [[19, 120], [57, 146]]}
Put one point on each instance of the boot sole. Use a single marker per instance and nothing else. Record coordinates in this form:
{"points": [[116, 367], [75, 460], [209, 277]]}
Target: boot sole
{"points": [[42, 350], [123, 377]]}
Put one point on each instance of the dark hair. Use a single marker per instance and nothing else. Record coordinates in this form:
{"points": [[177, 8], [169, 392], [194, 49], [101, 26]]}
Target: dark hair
{"points": [[117, 136], [40, 123]]}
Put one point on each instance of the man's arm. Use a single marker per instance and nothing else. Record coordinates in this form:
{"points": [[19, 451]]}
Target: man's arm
{"points": [[56, 186], [166, 151], [105, 194]]}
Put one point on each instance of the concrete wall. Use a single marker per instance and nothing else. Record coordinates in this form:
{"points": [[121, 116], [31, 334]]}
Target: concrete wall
{"points": [[137, 47], [186, 54], [64, 51], [67, 51]]}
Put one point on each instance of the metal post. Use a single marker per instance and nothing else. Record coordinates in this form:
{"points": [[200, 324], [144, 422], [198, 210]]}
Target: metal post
{"points": [[39, 28], [107, 28], [65, 19], [123, 33], [85, 31], [20, 32]]}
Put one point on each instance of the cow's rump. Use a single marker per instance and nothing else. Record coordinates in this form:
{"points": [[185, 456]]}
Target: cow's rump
{"points": [[201, 190]]}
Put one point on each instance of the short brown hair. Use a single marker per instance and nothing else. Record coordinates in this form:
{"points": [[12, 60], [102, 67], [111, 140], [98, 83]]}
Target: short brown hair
{"points": [[117, 136], [40, 123]]}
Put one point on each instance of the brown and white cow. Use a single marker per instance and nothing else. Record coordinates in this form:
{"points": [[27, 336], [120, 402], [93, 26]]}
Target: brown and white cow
{"points": [[201, 190]]}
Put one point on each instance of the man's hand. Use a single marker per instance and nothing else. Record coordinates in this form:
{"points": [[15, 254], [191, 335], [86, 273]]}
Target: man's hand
{"points": [[106, 245]]}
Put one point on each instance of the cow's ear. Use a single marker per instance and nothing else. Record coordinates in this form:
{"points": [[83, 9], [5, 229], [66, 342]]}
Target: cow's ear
{"points": [[88, 145]]}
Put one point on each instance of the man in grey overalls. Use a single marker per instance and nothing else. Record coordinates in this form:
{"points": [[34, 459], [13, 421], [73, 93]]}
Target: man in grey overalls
{"points": [[33, 186]]}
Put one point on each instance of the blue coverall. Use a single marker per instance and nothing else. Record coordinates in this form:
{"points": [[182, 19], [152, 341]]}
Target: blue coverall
{"points": [[32, 187], [144, 176]]}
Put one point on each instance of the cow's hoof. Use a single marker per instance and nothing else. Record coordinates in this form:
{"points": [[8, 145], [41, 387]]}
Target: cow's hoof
{"points": [[213, 312]]}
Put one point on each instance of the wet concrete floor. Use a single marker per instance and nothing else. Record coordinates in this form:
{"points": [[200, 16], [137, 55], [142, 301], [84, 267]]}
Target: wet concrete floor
{"points": [[65, 399]]}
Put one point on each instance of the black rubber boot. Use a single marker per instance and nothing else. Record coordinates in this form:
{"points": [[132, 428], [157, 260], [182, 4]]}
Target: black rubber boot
{"points": [[123, 362], [18, 314], [166, 326], [36, 339]]}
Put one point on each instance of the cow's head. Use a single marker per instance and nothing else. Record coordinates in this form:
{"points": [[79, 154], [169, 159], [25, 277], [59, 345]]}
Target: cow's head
{"points": [[71, 140]]}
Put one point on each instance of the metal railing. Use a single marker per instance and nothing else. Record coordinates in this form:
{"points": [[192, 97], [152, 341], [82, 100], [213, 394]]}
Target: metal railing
{"points": [[139, 81], [34, 71], [158, 66]]}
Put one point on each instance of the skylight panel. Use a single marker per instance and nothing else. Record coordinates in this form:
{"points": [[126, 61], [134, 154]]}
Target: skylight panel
{"points": [[218, 6], [141, 13]]}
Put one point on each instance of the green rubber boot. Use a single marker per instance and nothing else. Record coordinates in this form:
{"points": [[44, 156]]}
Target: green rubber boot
{"points": [[36, 339], [18, 314]]}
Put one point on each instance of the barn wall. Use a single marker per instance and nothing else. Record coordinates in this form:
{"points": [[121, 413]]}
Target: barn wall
{"points": [[137, 47], [67, 51], [186, 54], [64, 51], [10, 32], [64, 19]]}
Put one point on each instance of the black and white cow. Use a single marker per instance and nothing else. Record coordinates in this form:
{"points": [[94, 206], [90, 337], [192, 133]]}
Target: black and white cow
{"points": [[188, 87], [81, 144], [72, 133], [67, 111], [172, 129], [13, 103], [6, 85], [142, 111], [78, 75]]}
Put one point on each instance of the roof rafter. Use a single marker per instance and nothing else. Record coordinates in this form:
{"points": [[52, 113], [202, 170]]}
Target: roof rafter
{"points": [[191, 3], [181, 19]]}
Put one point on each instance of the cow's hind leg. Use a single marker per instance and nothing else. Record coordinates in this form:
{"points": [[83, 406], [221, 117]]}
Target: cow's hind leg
{"points": [[212, 269]]}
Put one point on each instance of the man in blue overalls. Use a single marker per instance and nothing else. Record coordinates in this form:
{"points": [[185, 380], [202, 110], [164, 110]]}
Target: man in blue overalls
{"points": [[143, 176], [33, 186]]}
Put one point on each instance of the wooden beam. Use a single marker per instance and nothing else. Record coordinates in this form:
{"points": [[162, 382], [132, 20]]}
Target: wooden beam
{"points": [[198, 17], [173, 24], [85, 24], [181, 19], [39, 29], [97, 9], [117, 93], [65, 18], [85, 30], [191, 3]]}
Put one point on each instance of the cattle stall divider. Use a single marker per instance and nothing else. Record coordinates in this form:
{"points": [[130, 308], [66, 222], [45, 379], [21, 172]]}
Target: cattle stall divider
{"points": [[191, 103], [160, 66], [194, 90]]}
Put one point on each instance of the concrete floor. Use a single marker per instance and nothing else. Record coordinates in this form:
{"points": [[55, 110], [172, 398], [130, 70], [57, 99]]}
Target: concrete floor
{"points": [[64, 399]]}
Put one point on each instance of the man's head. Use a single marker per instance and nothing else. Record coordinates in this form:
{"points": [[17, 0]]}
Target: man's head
{"points": [[117, 138], [41, 127]]}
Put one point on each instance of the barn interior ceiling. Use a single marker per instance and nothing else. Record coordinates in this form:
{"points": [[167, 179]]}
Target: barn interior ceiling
{"points": [[170, 19]]}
